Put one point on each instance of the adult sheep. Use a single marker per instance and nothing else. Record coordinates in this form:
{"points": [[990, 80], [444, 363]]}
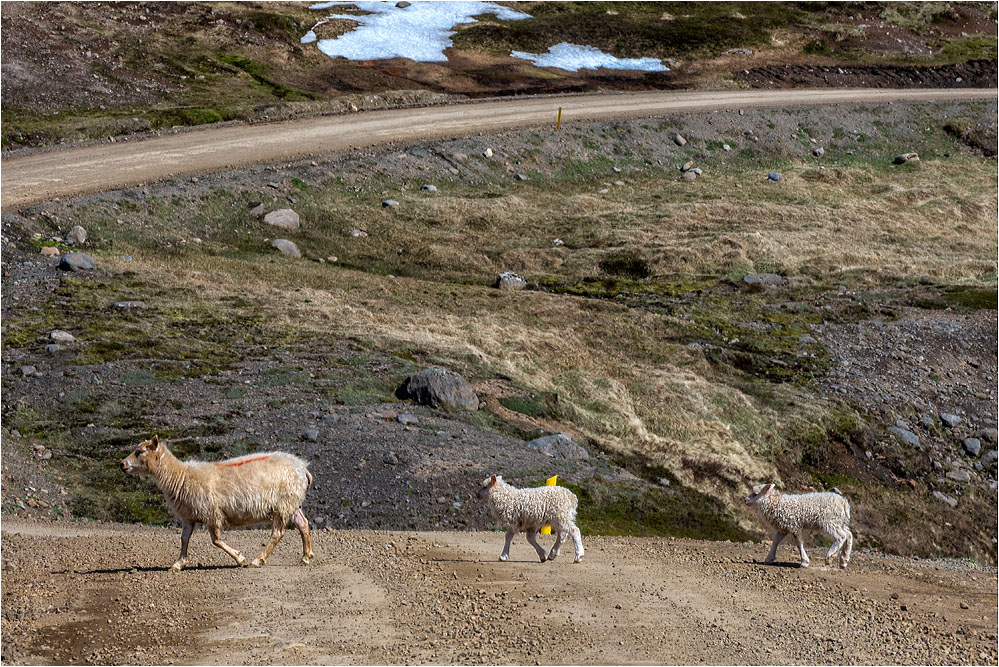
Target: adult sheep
{"points": [[528, 510], [790, 514], [242, 491]]}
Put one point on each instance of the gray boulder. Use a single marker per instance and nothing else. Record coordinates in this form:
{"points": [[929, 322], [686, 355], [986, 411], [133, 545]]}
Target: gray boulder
{"points": [[77, 236], [687, 166], [287, 247], [284, 218], [944, 498], [429, 188], [764, 279], [60, 336], [990, 458], [906, 157], [973, 446], [773, 176], [77, 261], [257, 210], [959, 475], [387, 203], [310, 435], [439, 388], [511, 281], [559, 446], [679, 140], [819, 152], [906, 436], [989, 435], [950, 420], [689, 176]]}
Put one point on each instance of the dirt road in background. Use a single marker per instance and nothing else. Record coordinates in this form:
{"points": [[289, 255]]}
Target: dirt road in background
{"points": [[85, 593], [40, 176]]}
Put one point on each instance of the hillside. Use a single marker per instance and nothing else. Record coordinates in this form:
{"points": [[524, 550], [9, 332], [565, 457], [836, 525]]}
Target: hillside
{"points": [[88, 71]]}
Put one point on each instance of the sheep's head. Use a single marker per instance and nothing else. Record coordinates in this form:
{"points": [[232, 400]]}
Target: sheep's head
{"points": [[139, 461], [759, 492], [487, 484]]}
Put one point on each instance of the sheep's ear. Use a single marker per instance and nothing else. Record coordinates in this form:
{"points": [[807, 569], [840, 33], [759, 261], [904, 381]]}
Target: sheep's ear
{"points": [[155, 442], [492, 480], [767, 487]]}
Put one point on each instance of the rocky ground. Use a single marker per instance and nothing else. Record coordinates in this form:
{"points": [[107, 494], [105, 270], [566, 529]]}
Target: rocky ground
{"points": [[95, 593]]}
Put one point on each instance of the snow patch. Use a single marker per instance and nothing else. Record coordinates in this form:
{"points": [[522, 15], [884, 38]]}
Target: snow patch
{"points": [[418, 32], [574, 57]]}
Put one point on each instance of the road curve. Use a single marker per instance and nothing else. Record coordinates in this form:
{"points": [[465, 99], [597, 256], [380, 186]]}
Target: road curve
{"points": [[33, 178]]}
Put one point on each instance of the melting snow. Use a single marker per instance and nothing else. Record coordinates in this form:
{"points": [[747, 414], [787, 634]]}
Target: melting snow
{"points": [[418, 32], [573, 57]]}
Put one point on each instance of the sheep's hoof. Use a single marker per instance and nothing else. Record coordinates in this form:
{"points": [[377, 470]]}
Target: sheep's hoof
{"points": [[241, 560], [306, 559], [176, 567], [256, 562], [504, 557], [579, 559], [804, 563], [843, 565], [552, 556]]}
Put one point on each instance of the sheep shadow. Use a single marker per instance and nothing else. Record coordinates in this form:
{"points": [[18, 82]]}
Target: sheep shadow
{"points": [[159, 568], [784, 564]]}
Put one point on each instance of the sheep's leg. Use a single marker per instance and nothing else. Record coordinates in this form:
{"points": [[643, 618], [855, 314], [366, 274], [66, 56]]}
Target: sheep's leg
{"points": [[839, 539], [774, 543], [216, 534], [801, 550], [532, 537], [510, 532], [844, 555], [560, 536], [577, 543], [277, 532], [303, 527], [185, 537]]}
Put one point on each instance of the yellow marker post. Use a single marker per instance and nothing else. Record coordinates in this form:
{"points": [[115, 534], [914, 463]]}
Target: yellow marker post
{"points": [[558, 126], [551, 481]]}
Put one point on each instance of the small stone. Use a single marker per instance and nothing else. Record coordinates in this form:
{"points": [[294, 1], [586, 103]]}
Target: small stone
{"points": [[387, 203], [774, 176], [287, 247], [129, 305], [949, 420], [964, 605], [329, 419], [818, 152], [764, 279], [77, 261], [689, 176], [520, 177], [559, 446], [285, 218], [390, 458], [687, 166], [28, 371], [402, 4], [60, 336], [679, 140], [697, 170], [488, 152], [906, 157], [257, 210], [510, 281], [310, 435], [77, 236], [894, 596], [990, 458], [726, 147], [906, 436], [358, 233], [456, 505], [989, 435], [54, 348], [274, 184], [429, 188], [973, 446], [959, 475], [928, 421], [558, 243], [407, 419], [49, 251]]}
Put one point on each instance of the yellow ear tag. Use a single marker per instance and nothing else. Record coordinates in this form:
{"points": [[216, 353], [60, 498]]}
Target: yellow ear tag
{"points": [[551, 481]]}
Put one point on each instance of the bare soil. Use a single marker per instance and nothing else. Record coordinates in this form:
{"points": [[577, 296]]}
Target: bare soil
{"points": [[99, 593], [971, 74]]}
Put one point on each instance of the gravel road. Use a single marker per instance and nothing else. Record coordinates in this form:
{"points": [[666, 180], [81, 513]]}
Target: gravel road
{"points": [[79, 593], [39, 176]]}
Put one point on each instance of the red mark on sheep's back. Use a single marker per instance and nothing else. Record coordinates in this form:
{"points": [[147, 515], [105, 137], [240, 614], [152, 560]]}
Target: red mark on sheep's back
{"points": [[239, 463]]}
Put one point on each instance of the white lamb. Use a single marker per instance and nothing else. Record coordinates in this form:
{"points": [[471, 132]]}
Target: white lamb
{"points": [[788, 514], [528, 510]]}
